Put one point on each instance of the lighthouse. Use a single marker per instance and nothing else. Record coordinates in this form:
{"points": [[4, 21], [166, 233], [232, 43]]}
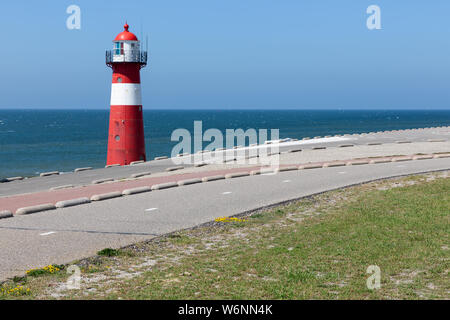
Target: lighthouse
{"points": [[126, 128]]}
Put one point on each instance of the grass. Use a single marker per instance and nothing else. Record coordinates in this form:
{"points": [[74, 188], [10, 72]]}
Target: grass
{"points": [[315, 248]]}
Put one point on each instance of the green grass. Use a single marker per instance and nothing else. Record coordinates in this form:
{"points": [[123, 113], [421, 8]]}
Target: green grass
{"points": [[315, 248], [108, 252]]}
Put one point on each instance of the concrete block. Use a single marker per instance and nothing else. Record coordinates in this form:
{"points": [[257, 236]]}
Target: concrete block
{"points": [[441, 155], [5, 214], [105, 196], [294, 150], [374, 143], [436, 140], [164, 185], [357, 162], [375, 161], [310, 166], [189, 181], [283, 169], [333, 164], [401, 142], [200, 164], [140, 174], [112, 165], [422, 157], [319, 148], [212, 178], [346, 145], [72, 202], [136, 162], [82, 169], [14, 179], [102, 180], [236, 175], [67, 186], [174, 168], [50, 173], [183, 154], [34, 209], [161, 158], [399, 159], [136, 190]]}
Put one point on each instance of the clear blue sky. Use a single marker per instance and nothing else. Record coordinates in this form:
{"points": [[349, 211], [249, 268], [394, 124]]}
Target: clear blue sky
{"points": [[224, 54]]}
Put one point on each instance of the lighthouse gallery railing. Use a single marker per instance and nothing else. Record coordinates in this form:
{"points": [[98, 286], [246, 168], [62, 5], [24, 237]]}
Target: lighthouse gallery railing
{"points": [[132, 56]]}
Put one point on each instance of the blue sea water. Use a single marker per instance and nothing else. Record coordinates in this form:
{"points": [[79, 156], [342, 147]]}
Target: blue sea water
{"points": [[34, 141]]}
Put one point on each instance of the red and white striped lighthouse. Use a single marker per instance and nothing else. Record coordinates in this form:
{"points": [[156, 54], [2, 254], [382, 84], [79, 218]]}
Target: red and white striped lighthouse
{"points": [[126, 128]]}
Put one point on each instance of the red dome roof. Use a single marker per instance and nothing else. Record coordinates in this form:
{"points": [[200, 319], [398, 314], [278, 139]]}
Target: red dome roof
{"points": [[126, 35]]}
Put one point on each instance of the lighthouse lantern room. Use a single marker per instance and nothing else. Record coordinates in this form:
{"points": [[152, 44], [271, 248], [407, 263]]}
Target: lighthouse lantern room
{"points": [[126, 129]]}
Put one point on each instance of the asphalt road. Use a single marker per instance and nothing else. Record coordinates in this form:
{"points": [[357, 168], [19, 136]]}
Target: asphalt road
{"points": [[63, 235], [86, 177]]}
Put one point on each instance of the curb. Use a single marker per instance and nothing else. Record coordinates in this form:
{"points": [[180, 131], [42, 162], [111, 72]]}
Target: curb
{"points": [[14, 179], [166, 185], [183, 154], [33, 209], [50, 173], [212, 178], [357, 162], [72, 202], [128, 192], [236, 175], [5, 214], [112, 165], [379, 161], [62, 187], [310, 166], [174, 168], [400, 159], [422, 157], [140, 174], [333, 164], [82, 169], [102, 180], [104, 196], [189, 181], [439, 156], [200, 164], [291, 168]]}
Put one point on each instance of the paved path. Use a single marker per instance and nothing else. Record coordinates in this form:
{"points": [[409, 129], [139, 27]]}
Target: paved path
{"points": [[86, 177], [63, 235]]}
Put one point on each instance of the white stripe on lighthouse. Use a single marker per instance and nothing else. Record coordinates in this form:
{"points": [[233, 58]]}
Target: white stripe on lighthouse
{"points": [[126, 94]]}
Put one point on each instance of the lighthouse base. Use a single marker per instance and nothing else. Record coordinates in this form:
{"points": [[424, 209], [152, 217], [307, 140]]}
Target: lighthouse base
{"points": [[126, 135]]}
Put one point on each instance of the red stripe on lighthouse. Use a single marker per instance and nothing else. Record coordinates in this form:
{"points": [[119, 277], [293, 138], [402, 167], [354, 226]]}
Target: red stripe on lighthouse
{"points": [[126, 127]]}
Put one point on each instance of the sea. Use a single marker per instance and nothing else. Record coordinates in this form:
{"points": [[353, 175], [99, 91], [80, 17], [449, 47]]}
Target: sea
{"points": [[35, 141]]}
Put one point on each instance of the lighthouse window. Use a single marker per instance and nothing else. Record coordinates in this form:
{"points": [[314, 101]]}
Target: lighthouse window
{"points": [[119, 48]]}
